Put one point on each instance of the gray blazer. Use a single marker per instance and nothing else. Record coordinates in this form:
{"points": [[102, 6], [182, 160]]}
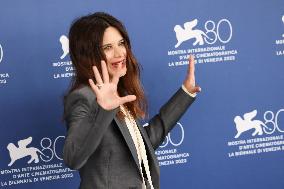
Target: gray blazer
{"points": [[99, 145]]}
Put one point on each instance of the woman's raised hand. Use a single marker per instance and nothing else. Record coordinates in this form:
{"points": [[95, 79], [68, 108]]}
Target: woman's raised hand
{"points": [[189, 82], [106, 90]]}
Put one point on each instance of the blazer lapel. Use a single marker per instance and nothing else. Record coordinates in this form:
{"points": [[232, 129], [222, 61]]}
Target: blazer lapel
{"points": [[127, 137]]}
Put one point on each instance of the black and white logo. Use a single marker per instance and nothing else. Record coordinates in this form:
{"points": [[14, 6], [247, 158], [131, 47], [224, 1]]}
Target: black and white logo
{"points": [[211, 33], [47, 152], [246, 123], [206, 41], [22, 151], [63, 68], [269, 125], [267, 134]]}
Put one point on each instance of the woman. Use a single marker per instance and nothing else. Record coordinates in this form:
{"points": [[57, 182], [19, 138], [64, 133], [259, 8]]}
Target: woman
{"points": [[106, 98]]}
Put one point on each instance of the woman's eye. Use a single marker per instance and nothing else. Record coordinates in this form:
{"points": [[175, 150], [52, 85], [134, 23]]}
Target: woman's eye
{"points": [[121, 43], [107, 47]]}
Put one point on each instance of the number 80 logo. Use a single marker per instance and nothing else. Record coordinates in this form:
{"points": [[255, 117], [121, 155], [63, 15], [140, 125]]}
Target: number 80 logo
{"points": [[178, 140]]}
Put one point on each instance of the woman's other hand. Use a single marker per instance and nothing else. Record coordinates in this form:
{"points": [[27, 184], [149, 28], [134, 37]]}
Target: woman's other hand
{"points": [[189, 82]]}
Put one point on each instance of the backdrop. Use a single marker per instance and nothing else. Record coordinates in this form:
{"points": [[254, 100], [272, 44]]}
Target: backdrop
{"points": [[231, 137]]}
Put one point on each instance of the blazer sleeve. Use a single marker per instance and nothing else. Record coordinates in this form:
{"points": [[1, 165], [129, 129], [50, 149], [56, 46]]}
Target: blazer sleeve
{"points": [[86, 124], [162, 123]]}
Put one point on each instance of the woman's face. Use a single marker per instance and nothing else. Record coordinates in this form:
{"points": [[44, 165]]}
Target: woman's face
{"points": [[115, 52]]}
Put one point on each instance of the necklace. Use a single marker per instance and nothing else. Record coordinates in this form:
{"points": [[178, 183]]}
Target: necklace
{"points": [[138, 142]]}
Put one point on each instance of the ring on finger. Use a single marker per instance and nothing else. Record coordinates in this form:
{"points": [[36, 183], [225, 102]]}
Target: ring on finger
{"points": [[99, 85]]}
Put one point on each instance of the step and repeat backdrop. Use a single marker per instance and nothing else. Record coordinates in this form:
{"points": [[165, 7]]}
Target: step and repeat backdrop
{"points": [[233, 135]]}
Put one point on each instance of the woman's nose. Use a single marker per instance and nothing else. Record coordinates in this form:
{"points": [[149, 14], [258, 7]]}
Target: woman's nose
{"points": [[118, 52]]}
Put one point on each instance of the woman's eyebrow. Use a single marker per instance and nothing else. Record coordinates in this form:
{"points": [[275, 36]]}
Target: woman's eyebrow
{"points": [[111, 43], [106, 44]]}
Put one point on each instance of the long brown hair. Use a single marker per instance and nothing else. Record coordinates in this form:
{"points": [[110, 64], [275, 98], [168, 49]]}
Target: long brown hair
{"points": [[85, 40]]}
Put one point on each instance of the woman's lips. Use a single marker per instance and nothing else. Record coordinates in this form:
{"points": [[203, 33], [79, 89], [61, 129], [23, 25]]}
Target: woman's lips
{"points": [[118, 64]]}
